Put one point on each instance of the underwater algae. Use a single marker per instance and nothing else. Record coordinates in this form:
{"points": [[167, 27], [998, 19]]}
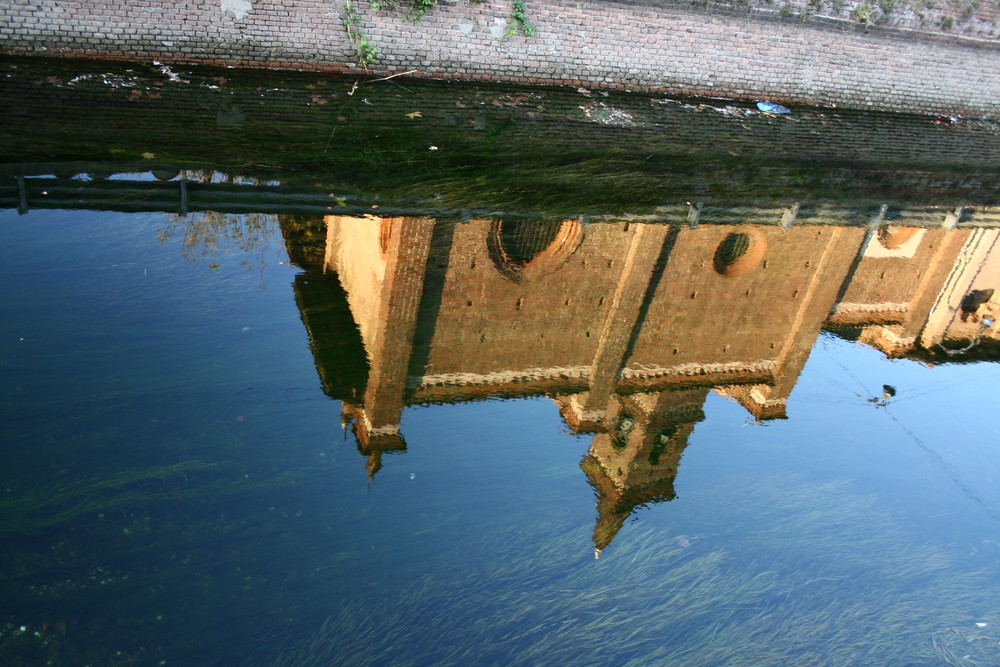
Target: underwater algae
{"points": [[45, 507], [783, 591]]}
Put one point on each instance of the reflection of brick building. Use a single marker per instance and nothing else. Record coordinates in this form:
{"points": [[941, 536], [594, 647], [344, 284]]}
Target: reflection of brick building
{"points": [[925, 292], [450, 311], [626, 326]]}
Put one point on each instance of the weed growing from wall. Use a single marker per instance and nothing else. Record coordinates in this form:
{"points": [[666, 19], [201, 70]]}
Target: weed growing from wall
{"points": [[364, 49], [415, 10], [519, 22], [863, 13]]}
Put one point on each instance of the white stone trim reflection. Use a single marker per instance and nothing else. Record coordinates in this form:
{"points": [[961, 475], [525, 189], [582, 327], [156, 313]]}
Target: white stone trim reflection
{"points": [[646, 371], [498, 377], [887, 307]]}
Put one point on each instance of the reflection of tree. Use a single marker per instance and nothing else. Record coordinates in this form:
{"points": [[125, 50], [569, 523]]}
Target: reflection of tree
{"points": [[208, 235]]}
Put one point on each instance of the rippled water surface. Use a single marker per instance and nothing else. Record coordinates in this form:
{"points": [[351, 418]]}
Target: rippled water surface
{"points": [[434, 424], [178, 487]]}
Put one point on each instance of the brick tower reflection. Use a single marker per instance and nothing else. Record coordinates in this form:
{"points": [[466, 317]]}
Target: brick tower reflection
{"points": [[634, 462], [626, 326]]}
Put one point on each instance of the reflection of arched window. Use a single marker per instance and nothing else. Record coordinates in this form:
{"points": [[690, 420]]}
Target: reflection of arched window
{"points": [[893, 238], [520, 248], [384, 234], [623, 428], [739, 253], [661, 444], [523, 240]]}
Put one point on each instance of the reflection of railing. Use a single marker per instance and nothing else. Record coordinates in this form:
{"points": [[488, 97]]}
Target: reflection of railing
{"points": [[183, 196]]}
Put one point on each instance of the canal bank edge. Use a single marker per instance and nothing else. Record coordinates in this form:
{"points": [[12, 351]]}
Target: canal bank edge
{"points": [[639, 45]]}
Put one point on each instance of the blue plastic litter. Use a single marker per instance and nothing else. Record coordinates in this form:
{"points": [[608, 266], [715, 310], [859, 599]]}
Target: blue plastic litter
{"points": [[771, 107]]}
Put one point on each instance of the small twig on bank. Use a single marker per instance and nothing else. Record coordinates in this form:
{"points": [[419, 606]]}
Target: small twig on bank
{"points": [[393, 76]]}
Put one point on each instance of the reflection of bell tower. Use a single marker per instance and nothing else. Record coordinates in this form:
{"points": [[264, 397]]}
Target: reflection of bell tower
{"points": [[635, 462], [384, 263]]}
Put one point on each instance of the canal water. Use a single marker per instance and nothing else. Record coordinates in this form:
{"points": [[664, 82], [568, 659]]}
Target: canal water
{"points": [[456, 423]]}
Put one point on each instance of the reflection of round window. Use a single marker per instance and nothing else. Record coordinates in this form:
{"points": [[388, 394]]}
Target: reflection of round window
{"points": [[522, 248], [893, 238], [738, 254]]}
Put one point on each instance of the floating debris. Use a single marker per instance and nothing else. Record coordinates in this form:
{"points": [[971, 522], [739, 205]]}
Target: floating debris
{"points": [[771, 107], [108, 79], [165, 69], [608, 115], [731, 110]]}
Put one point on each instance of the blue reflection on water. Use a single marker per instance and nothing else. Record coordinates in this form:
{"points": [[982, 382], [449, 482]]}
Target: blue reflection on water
{"points": [[240, 517]]}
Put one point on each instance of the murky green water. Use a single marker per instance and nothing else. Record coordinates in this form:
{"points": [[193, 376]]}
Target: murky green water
{"points": [[250, 438]]}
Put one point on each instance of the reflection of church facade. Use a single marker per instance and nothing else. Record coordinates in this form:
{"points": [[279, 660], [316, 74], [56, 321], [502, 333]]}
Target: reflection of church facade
{"points": [[626, 326]]}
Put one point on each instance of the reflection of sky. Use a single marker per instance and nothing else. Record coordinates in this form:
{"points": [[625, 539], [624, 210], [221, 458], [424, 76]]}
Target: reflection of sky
{"points": [[134, 357], [932, 441], [928, 454]]}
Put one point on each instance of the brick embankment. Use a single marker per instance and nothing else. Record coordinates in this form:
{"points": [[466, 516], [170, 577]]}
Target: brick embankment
{"points": [[649, 45]]}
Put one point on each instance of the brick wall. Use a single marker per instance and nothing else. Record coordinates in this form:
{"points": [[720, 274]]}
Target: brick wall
{"points": [[543, 319], [759, 307], [886, 282], [662, 47]]}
